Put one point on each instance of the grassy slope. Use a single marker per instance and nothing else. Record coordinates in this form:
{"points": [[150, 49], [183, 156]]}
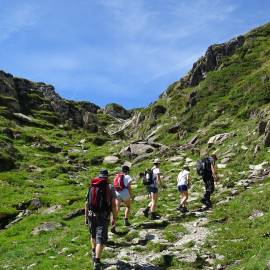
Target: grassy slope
{"points": [[227, 98]]}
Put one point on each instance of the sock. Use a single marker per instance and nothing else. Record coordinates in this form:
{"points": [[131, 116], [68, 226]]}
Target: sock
{"points": [[97, 260]]}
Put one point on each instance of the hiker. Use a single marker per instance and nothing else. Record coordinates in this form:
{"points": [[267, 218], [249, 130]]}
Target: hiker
{"points": [[183, 183], [100, 203], [153, 191], [122, 186], [209, 176]]}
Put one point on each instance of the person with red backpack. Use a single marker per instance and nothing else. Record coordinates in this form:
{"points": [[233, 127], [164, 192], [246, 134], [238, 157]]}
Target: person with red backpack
{"points": [[122, 186], [100, 203]]}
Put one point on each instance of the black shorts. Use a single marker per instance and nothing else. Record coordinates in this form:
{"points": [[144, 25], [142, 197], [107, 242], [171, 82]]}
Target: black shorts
{"points": [[152, 189], [98, 228], [182, 188]]}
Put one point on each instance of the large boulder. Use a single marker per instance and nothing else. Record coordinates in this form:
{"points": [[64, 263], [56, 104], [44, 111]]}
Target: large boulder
{"points": [[136, 149], [111, 160], [219, 138], [46, 227], [117, 111]]}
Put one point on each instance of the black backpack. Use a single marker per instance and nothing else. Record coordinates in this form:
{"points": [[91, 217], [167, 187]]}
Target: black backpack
{"points": [[148, 177], [99, 200], [203, 166]]}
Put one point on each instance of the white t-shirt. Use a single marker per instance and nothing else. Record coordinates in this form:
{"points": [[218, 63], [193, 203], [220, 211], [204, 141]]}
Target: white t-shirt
{"points": [[127, 180], [182, 178], [156, 171]]}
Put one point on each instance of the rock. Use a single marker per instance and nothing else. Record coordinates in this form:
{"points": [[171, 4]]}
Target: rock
{"points": [[23, 118], [258, 167], [32, 204], [158, 110], [141, 158], [111, 160], [46, 227], [194, 140], [219, 138], [76, 213], [136, 149], [256, 214], [176, 159], [141, 198], [235, 192], [174, 129], [117, 111], [268, 265], [243, 147], [6, 218], [256, 150], [266, 139], [51, 209], [261, 127], [52, 148], [33, 168], [221, 166]]}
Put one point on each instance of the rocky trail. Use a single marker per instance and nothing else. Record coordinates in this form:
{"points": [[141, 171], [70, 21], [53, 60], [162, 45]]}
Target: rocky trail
{"points": [[184, 247]]}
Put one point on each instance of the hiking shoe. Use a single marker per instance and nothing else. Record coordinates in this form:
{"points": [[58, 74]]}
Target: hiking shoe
{"points": [[146, 211], [126, 222], [203, 201], [154, 216], [113, 230], [98, 266], [180, 207], [184, 210]]}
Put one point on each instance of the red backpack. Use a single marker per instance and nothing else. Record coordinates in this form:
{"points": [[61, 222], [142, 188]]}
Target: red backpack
{"points": [[118, 182], [99, 196]]}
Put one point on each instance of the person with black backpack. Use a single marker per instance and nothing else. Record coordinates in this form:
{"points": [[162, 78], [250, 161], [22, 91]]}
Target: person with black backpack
{"points": [[152, 180], [206, 169], [122, 186], [100, 203]]}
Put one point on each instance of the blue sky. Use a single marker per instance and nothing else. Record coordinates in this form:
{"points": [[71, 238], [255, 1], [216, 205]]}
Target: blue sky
{"points": [[120, 51]]}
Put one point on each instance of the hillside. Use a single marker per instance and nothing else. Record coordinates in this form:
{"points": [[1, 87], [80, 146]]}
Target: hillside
{"points": [[52, 147]]}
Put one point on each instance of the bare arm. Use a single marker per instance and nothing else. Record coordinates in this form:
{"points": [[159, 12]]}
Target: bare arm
{"points": [[214, 173], [86, 212], [114, 211]]}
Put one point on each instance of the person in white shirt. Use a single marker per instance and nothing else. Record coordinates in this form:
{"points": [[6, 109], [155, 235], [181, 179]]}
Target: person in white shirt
{"points": [[153, 191], [123, 192], [183, 182]]}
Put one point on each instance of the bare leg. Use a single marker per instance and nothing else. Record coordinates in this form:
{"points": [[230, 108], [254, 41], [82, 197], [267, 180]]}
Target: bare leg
{"points": [[99, 249], [154, 198], [127, 203]]}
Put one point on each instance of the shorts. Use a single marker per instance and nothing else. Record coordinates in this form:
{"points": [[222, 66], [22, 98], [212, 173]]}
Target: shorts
{"points": [[182, 188], [152, 189], [123, 195], [98, 228]]}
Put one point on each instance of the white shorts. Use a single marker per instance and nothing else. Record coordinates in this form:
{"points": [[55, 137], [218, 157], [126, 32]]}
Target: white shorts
{"points": [[123, 195]]}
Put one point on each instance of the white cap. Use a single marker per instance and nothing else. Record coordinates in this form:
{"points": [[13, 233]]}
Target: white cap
{"points": [[156, 161]]}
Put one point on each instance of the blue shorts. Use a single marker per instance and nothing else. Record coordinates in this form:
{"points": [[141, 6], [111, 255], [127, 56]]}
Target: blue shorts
{"points": [[182, 188], [152, 189]]}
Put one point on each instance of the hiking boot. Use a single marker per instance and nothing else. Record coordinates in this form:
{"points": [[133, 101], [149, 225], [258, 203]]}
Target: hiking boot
{"points": [[146, 211], [113, 230], [154, 216], [203, 201], [126, 222], [98, 266], [184, 210], [179, 208]]}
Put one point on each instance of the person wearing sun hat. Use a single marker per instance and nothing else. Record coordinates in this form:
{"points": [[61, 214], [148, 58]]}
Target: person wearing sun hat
{"points": [[153, 191]]}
